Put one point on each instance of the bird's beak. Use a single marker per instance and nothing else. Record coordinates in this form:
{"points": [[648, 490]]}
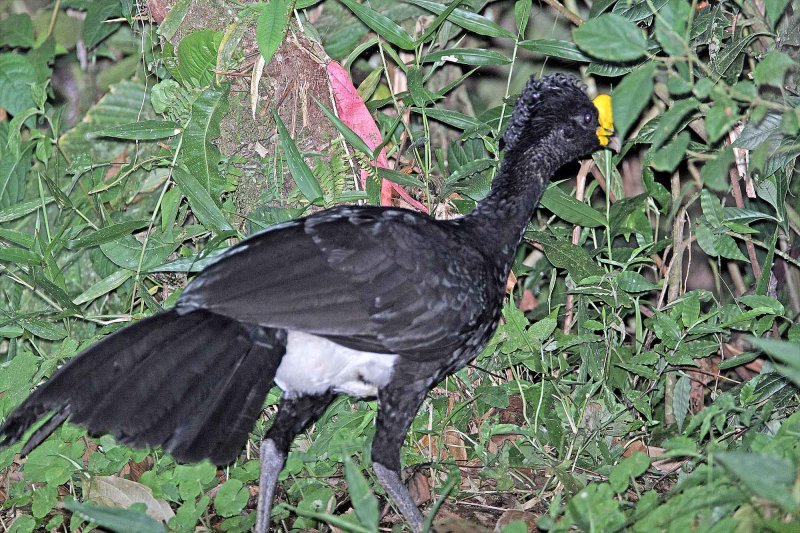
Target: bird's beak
{"points": [[605, 116]]}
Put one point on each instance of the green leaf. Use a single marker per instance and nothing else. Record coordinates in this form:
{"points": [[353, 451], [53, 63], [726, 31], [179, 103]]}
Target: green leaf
{"points": [[107, 234], [556, 48], [174, 18], [468, 56], [634, 282], [671, 119], [568, 208], [114, 519], [198, 152], [43, 329], [766, 476], [611, 37], [775, 9], [467, 19], [364, 502], [382, 25], [273, 22], [303, 177], [14, 167], [722, 115], [712, 208], [146, 130], [631, 96], [232, 496], [20, 210], [95, 27], [19, 255], [715, 171], [680, 400], [401, 178], [522, 14], [102, 287], [201, 202], [16, 31], [349, 135], [667, 158], [636, 11], [771, 70], [16, 77], [671, 27], [452, 118], [197, 56], [564, 254], [628, 469]]}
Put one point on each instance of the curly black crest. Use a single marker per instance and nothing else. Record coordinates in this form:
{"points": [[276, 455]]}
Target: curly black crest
{"points": [[552, 94]]}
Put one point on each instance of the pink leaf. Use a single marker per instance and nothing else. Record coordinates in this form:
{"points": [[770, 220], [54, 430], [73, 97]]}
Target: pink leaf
{"points": [[353, 112]]}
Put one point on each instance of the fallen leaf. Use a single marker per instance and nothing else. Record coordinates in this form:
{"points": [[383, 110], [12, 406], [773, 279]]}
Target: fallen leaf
{"points": [[115, 491]]}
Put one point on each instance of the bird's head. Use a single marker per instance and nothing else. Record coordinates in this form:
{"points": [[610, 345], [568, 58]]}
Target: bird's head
{"points": [[555, 110]]}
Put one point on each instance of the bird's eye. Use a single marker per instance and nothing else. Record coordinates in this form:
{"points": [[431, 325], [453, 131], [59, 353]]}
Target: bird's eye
{"points": [[587, 118]]}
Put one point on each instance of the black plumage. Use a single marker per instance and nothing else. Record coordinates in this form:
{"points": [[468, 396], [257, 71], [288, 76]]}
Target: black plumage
{"points": [[401, 298]]}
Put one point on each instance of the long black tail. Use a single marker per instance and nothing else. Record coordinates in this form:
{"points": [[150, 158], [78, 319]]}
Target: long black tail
{"points": [[192, 383]]}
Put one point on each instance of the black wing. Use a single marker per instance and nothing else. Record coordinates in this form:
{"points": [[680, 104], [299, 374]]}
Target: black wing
{"points": [[375, 279]]}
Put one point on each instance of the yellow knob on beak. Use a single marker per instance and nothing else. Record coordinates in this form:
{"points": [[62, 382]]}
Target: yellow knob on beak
{"points": [[605, 116]]}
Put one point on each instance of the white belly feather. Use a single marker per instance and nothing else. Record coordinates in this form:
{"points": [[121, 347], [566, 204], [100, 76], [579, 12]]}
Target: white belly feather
{"points": [[314, 365]]}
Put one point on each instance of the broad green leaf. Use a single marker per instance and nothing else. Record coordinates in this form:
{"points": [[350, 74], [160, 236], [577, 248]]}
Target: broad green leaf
{"points": [[772, 68], [668, 157], [203, 205], [556, 48], [14, 170], [364, 502], [722, 115], [95, 27], [232, 496], [627, 469], [671, 26], [631, 96], [680, 400], [16, 77], [115, 519], [637, 10], [382, 25], [564, 254], [198, 152], [468, 56], [467, 20], [197, 56], [568, 208], [303, 177], [17, 31], [715, 171], [273, 22], [775, 9], [630, 281], [611, 37], [146, 130], [671, 119], [595, 509], [712, 208], [766, 476]]}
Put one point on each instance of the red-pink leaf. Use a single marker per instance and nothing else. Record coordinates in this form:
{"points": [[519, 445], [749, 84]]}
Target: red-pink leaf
{"points": [[353, 112]]}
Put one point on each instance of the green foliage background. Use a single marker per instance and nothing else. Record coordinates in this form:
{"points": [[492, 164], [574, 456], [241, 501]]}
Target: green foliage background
{"points": [[645, 375]]}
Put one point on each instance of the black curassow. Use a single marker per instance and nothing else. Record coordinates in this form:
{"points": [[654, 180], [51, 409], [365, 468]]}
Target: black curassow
{"points": [[359, 300]]}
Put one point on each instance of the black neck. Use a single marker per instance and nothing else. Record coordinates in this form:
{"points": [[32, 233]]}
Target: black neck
{"points": [[498, 222]]}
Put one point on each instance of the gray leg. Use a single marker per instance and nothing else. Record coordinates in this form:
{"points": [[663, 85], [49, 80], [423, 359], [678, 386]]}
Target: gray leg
{"points": [[398, 405], [294, 415], [272, 462], [397, 491]]}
